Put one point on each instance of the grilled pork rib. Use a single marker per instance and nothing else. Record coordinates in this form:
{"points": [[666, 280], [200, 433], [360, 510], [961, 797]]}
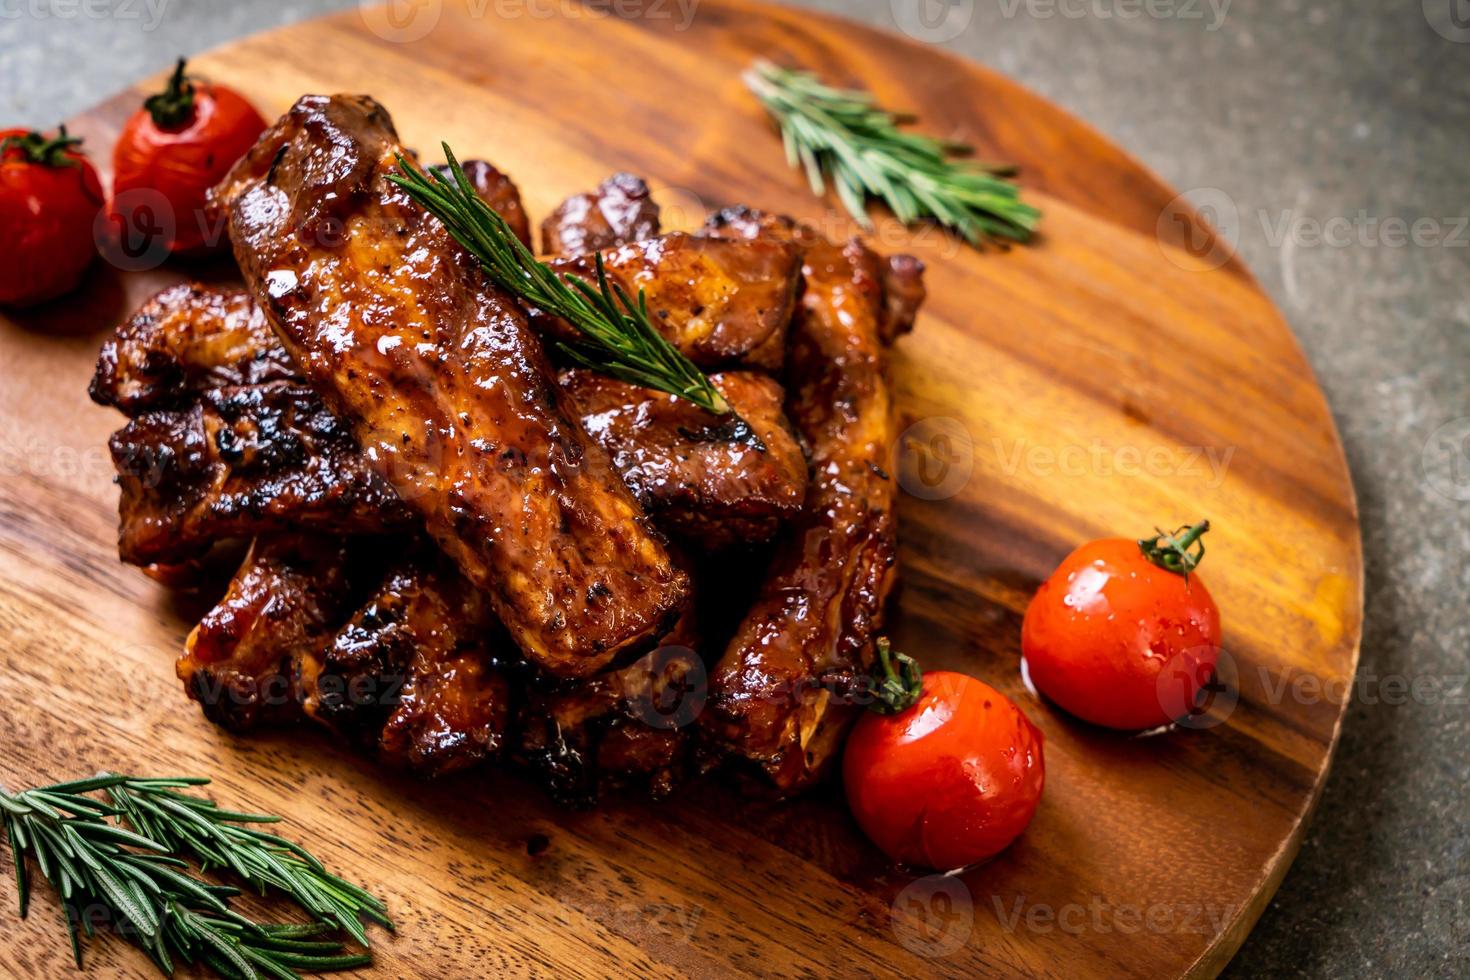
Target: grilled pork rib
{"points": [[283, 461], [708, 489], [498, 191], [244, 460], [185, 340], [619, 210], [446, 388], [240, 662], [628, 727], [416, 674], [780, 697], [721, 302], [412, 675], [422, 676]]}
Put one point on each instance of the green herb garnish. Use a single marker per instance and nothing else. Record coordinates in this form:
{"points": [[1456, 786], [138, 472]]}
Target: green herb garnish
{"points": [[619, 339], [842, 135], [121, 863]]}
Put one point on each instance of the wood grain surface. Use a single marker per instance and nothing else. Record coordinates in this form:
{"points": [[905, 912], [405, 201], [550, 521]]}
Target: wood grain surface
{"points": [[1121, 372]]}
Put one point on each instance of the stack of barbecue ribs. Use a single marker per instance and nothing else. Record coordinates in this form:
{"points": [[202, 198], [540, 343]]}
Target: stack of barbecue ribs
{"points": [[460, 551]]}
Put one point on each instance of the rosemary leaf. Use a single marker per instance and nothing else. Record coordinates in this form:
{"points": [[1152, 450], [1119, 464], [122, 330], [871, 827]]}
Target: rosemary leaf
{"points": [[134, 870], [843, 136], [617, 336]]}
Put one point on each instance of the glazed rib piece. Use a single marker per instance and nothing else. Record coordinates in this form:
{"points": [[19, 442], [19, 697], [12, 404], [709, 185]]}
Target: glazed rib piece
{"points": [[903, 294], [445, 387], [291, 464], [189, 338], [243, 461], [239, 663], [619, 210], [722, 303], [496, 190], [413, 675], [419, 675], [185, 340], [625, 728], [780, 695], [698, 483]]}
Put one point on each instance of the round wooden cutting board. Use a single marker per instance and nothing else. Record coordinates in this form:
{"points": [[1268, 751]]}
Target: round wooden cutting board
{"points": [[1121, 372]]}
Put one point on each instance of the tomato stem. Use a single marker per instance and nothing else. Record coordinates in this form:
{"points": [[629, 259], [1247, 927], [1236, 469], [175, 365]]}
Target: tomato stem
{"points": [[895, 688], [173, 106], [47, 152], [1172, 553]]}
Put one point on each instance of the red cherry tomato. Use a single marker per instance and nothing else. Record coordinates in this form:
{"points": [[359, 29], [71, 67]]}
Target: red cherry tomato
{"points": [[179, 145], [948, 782], [49, 199], [1120, 636]]}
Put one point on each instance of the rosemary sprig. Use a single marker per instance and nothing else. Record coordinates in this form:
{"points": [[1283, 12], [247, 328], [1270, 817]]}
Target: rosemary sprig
{"points": [[197, 827], [136, 879], [619, 338], [842, 134]]}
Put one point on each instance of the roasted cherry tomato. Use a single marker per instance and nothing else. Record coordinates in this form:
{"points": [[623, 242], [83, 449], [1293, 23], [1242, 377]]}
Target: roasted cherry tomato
{"points": [[948, 781], [178, 146], [49, 199], [1123, 633]]}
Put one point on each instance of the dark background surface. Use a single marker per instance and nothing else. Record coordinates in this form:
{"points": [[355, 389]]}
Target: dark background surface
{"points": [[1310, 126]]}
